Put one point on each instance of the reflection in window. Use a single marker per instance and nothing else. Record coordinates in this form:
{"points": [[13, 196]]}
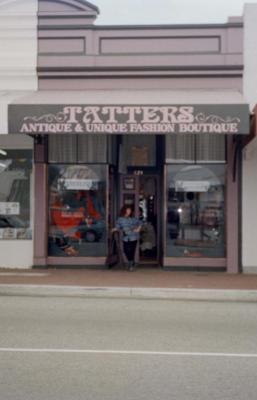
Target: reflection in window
{"points": [[15, 177], [138, 150], [190, 148], [77, 210], [196, 211]]}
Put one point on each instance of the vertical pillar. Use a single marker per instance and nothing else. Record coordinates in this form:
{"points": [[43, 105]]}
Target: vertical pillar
{"points": [[40, 199], [232, 208]]}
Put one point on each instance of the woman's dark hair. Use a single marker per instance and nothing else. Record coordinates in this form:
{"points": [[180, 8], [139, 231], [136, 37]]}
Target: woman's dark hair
{"points": [[123, 210]]}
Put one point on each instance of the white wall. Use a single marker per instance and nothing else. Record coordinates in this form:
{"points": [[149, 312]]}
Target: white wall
{"points": [[18, 44], [18, 73], [16, 254], [249, 189]]}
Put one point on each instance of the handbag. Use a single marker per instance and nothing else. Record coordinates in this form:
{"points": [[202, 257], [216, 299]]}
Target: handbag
{"points": [[115, 254], [112, 257]]}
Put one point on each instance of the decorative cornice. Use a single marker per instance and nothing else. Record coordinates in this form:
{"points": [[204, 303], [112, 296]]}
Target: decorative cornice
{"points": [[66, 12], [80, 5]]}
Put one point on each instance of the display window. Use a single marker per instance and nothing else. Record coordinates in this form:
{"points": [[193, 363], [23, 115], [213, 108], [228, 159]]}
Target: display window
{"points": [[77, 210], [15, 189], [196, 211]]}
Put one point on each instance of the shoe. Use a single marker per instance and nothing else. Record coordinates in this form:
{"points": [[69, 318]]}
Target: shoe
{"points": [[130, 266]]}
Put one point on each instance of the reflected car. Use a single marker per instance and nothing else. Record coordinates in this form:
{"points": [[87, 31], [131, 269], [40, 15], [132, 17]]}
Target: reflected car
{"points": [[86, 232], [11, 221], [93, 232]]}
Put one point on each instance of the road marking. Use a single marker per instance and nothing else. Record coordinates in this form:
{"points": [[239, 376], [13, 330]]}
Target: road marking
{"points": [[127, 352]]}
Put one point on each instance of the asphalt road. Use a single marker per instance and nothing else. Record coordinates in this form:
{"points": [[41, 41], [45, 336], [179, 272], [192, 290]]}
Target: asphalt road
{"points": [[72, 349]]}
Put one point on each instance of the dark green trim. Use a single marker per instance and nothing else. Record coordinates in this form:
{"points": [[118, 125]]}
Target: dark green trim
{"points": [[144, 68], [67, 16], [129, 76], [143, 27]]}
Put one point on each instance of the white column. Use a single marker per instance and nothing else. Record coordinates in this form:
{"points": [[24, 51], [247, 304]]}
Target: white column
{"points": [[249, 202], [249, 176], [18, 44], [18, 74]]}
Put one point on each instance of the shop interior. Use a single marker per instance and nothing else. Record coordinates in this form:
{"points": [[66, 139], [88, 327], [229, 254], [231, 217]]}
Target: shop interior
{"points": [[175, 185]]}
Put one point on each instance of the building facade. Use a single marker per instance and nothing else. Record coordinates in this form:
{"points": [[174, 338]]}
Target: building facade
{"points": [[18, 76], [153, 117]]}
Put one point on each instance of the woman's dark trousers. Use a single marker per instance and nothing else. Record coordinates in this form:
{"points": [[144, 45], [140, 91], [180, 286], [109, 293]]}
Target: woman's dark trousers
{"points": [[130, 249]]}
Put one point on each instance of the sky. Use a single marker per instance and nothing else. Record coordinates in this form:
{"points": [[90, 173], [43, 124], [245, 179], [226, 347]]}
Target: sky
{"points": [[167, 11]]}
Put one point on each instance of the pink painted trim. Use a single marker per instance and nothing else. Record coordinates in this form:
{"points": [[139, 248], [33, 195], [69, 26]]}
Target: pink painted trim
{"points": [[232, 209], [40, 216], [76, 261], [194, 262], [39, 262]]}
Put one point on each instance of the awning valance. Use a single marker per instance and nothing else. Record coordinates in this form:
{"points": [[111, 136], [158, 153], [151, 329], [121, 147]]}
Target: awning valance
{"points": [[130, 112], [253, 128], [6, 98]]}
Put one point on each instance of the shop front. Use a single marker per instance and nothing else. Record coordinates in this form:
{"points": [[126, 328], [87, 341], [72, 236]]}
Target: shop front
{"points": [[176, 165]]}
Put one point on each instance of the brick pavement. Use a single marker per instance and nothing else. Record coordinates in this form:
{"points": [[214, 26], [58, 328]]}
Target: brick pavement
{"points": [[143, 277]]}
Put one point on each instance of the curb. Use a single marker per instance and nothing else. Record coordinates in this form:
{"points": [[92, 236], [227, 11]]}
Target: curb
{"points": [[129, 293]]}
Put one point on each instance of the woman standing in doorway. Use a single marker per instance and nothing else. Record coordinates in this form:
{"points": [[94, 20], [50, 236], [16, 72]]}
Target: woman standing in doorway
{"points": [[129, 226]]}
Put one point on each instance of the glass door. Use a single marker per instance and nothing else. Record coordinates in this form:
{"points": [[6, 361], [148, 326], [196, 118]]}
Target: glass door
{"points": [[141, 193], [129, 193]]}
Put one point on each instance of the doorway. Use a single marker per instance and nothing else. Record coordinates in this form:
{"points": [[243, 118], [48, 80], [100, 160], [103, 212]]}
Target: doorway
{"points": [[141, 192]]}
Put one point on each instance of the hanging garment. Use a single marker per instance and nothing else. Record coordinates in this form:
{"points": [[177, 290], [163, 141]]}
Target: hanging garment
{"points": [[147, 237]]}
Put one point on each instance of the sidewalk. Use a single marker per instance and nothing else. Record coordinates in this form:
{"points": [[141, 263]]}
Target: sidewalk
{"points": [[143, 283]]}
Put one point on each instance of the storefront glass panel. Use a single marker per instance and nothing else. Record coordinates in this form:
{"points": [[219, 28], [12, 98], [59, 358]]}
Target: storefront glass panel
{"points": [[15, 190], [77, 210], [196, 211]]}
